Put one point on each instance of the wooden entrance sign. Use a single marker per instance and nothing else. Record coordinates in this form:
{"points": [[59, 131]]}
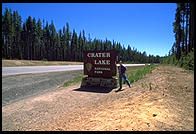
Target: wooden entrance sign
{"points": [[100, 66], [100, 63]]}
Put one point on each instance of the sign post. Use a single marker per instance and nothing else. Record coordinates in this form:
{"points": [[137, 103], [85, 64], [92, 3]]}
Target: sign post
{"points": [[100, 66]]}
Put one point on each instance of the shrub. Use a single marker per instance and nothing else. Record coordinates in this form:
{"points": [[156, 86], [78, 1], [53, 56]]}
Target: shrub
{"points": [[44, 59], [186, 61]]}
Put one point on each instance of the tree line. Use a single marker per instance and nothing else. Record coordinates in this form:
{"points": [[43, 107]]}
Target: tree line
{"points": [[39, 40], [182, 51]]}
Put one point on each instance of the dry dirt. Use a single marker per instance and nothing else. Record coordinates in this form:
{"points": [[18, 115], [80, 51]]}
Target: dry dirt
{"points": [[163, 100]]}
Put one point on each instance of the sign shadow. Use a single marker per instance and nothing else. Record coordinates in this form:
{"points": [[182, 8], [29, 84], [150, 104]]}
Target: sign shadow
{"points": [[94, 89]]}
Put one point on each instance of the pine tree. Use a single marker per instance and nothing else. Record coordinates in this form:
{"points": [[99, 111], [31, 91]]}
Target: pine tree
{"points": [[67, 48], [191, 28], [24, 42], [29, 24], [34, 40], [129, 53], [177, 31], [83, 44], [74, 46], [52, 42], [39, 37], [46, 42], [58, 45], [186, 27], [7, 30], [61, 45], [80, 45], [16, 46]]}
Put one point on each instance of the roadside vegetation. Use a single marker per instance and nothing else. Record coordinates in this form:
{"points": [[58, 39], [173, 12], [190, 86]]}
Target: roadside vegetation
{"points": [[133, 73], [185, 61], [77, 79]]}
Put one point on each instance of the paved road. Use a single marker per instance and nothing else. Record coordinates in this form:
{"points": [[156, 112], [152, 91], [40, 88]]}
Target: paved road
{"points": [[17, 87], [6, 71]]}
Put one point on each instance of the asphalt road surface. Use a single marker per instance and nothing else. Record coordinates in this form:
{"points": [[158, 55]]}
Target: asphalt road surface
{"points": [[17, 87], [6, 71]]}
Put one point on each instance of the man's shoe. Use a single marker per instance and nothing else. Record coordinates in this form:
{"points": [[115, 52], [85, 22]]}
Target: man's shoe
{"points": [[120, 89]]}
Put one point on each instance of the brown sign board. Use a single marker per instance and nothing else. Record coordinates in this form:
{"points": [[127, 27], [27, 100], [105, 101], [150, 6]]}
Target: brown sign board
{"points": [[100, 63]]}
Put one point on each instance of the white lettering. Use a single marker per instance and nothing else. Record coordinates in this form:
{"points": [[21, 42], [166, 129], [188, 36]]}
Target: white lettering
{"points": [[98, 54], [88, 54], [102, 62], [106, 69], [98, 72]]}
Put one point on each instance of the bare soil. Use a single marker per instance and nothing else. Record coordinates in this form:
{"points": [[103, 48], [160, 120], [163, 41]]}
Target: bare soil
{"points": [[162, 100]]}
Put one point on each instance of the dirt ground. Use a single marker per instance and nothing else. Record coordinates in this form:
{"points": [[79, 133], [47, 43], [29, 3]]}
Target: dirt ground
{"points": [[162, 100]]}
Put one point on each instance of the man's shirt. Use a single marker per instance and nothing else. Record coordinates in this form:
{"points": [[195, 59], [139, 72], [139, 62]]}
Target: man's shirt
{"points": [[122, 69]]}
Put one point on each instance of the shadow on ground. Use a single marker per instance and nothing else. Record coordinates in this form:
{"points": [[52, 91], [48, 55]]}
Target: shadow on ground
{"points": [[94, 89]]}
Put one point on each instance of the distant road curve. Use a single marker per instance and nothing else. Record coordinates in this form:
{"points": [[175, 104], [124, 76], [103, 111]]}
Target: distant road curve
{"points": [[6, 71]]}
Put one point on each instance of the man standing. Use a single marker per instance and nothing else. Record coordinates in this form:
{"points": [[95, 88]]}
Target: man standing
{"points": [[122, 70]]}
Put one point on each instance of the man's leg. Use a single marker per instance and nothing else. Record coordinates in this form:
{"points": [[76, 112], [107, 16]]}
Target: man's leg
{"points": [[120, 81], [126, 79]]}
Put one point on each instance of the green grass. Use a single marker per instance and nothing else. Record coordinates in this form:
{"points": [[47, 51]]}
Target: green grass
{"points": [[133, 74], [77, 79]]}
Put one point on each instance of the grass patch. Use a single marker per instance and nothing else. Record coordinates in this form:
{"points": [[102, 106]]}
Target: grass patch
{"points": [[77, 79], [135, 75]]}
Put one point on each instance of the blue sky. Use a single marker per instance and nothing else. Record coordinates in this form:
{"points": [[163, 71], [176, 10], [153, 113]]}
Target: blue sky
{"points": [[145, 26]]}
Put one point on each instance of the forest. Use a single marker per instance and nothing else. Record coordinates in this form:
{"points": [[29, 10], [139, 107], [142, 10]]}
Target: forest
{"points": [[182, 51], [38, 40]]}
